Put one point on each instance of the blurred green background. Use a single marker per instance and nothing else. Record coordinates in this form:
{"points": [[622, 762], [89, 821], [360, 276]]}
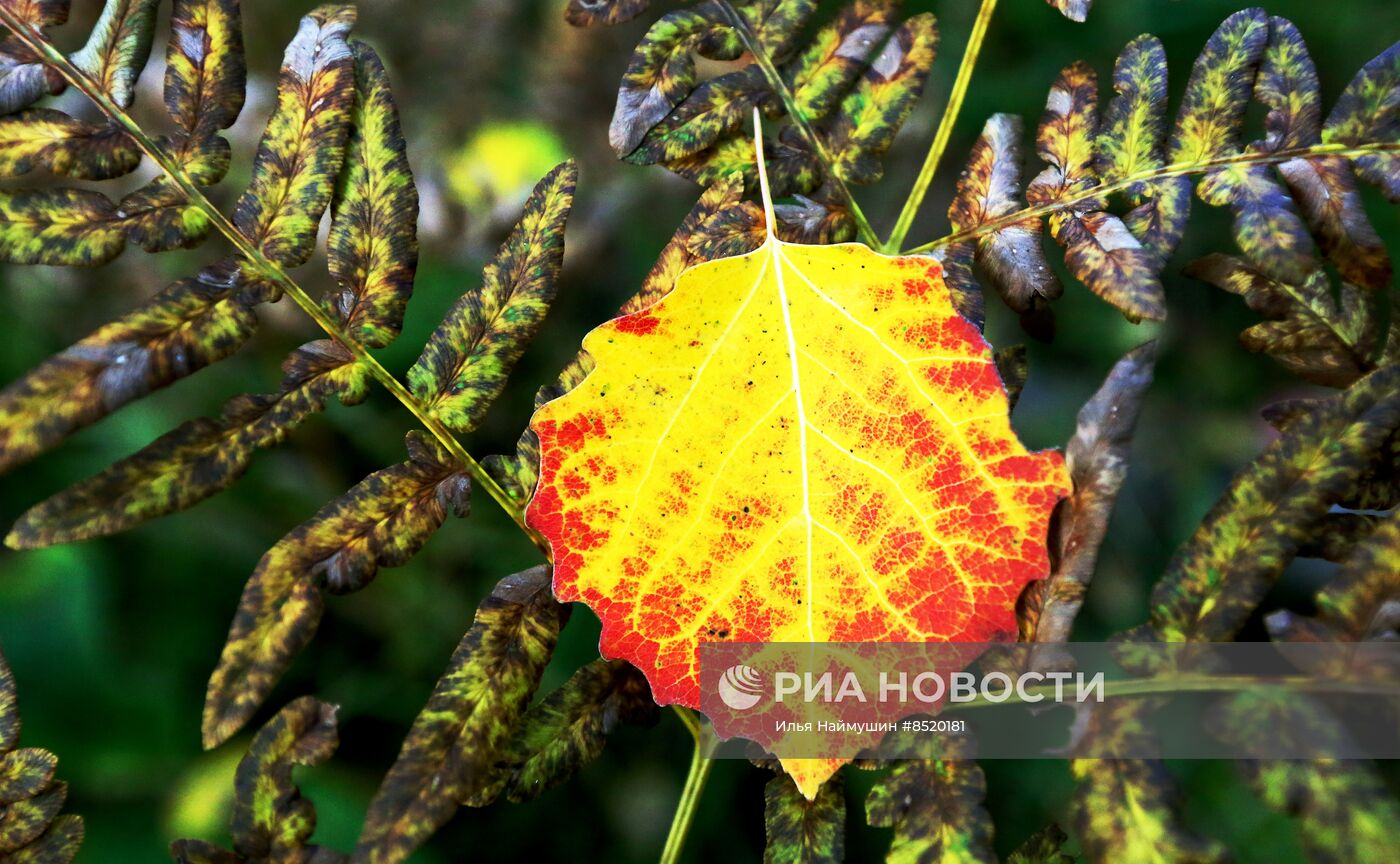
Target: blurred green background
{"points": [[112, 641]]}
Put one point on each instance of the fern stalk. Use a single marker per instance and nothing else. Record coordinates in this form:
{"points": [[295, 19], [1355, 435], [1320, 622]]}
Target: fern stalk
{"points": [[1067, 202], [775, 81], [1125, 688], [267, 268], [945, 130]]}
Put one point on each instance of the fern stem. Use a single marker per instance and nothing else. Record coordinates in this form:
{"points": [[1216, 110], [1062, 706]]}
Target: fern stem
{"points": [[779, 86], [690, 794], [945, 129], [991, 226], [1172, 684], [266, 267]]}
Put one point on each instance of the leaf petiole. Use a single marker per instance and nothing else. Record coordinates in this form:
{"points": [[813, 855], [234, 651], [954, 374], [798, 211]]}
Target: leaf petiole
{"points": [[690, 793]]}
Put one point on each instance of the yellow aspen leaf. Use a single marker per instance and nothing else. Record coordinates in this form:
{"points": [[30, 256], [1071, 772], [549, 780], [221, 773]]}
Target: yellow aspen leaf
{"points": [[803, 443]]}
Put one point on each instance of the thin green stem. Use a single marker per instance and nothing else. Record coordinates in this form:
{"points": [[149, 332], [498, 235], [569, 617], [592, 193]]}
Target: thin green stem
{"points": [[779, 86], [991, 226], [945, 130], [690, 794], [1169, 684], [266, 267]]}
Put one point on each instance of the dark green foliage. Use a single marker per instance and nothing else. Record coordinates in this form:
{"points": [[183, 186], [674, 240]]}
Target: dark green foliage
{"points": [[471, 354], [568, 728], [31, 829], [1043, 847], [1290, 195], [304, 144], [1269, 510], [382, 522], [450, 754], [801, 831], [935, 808], [189, 325], [198, 458], [117, 49], [852, 87], [373, 245], [271, 822], [1319, 334], [1151, 829]]}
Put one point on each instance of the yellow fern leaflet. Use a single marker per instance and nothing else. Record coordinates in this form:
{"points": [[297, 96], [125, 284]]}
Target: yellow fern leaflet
{"points": [[804, 443]]}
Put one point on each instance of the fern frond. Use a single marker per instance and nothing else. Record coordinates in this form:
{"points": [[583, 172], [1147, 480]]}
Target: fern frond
{"points": [[468, 724], [205, 79], [585, 13], [31, 829], [567, 729], [118, 46], [468, 358], [271, 821], [845, 94], [205, 73], [24, 77], [49, 140], [304, 144], [1152, 828], [372, 250], [1074, 10], [801, 831], [1270, 508], [936, 807], [1321, 335], [192, 323], [197, 459], [1285, 189], [1097, 458], [988, 189], [1045, 846], [287, 224], [382, 522]]}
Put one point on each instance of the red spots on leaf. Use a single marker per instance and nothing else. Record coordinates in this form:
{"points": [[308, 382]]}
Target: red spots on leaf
{"points": [[916, 289], [640, 324]]}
